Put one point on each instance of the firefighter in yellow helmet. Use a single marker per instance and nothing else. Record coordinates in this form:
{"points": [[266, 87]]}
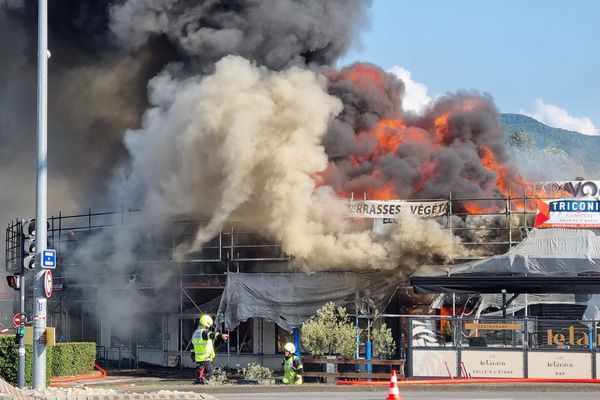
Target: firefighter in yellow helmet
{"points": [[204, 350], [292, 366]]}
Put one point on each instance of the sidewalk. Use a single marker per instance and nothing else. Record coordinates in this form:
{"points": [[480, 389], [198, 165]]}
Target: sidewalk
{"points": [[7, 391]]}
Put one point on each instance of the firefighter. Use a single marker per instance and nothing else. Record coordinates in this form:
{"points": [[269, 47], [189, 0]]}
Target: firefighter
{"points": [[204, 350], [292, 366]]}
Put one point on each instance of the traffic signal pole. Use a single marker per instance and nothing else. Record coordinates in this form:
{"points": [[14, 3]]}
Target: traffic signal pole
{"points": [[21, 375], [39, 300]]}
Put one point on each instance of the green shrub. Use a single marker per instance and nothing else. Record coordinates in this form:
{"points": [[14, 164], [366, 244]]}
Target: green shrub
{"points": [[329, 332], [62, 359], [8, 358], [384, 345], [219, 377], [73, 358], [256, 371]]}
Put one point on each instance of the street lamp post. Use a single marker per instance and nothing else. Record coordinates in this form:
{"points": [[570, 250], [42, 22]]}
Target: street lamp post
{"points": [[39, 300]]}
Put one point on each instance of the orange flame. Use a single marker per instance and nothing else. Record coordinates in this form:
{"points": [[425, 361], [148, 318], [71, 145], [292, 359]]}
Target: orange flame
{"points": [[364, 75], [389, 135]]}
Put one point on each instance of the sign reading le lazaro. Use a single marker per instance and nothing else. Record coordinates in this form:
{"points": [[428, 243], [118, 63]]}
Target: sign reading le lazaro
{"points": [[390, 208]]}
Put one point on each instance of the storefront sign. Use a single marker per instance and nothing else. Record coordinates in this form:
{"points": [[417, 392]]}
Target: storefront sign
{"points": [[568, 213], [434, 363], [390, 208], [571, 336], [572, 188], [494, 326], [493, 364], [559, 364]]}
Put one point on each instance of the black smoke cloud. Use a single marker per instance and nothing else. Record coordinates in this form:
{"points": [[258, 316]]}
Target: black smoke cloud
{"points": [[273, 33], [439, 152], [104, 52]]}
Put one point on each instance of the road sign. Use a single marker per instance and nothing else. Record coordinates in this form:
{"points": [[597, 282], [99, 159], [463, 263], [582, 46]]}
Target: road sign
{"points": [[17, 319], [49, 258], [48, 283]]}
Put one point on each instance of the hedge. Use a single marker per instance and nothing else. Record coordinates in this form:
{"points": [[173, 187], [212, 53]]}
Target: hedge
{"points": [[61, 360]]}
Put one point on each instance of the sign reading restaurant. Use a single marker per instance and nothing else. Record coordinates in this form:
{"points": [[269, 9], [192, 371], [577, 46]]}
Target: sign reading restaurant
{"points": [[493, 326]]}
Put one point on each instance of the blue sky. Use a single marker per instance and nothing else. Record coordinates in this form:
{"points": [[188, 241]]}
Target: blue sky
{"points": [[540, 57]]}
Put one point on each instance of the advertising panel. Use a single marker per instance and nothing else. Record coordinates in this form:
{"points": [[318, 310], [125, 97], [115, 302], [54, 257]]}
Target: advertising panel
{"points": [[434, 363], [390, 208], [569, 188], [493, 364], [568, 213], [559, 364]]}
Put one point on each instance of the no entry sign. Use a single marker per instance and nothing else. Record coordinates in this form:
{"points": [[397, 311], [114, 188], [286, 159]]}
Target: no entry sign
{"points": [[17, 319], [48, 283]]}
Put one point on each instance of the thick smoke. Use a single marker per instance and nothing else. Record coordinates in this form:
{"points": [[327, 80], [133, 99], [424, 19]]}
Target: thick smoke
{"points": [[375, 144], [275, 33], [243, 121], [94, 95], [245, 144], [11, 4], [103, 55]]}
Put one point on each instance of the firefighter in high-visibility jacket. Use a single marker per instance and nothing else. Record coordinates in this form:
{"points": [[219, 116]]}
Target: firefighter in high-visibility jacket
{"points": [[292, 366], [204, 350]]}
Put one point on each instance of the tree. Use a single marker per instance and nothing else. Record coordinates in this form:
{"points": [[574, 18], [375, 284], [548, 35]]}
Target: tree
{"points": [[521, 140], [330, 332], [384, 345]]}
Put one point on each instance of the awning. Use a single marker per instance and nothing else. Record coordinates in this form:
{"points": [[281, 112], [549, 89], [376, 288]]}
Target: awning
{"points": [[288, 299], [512, 284]]}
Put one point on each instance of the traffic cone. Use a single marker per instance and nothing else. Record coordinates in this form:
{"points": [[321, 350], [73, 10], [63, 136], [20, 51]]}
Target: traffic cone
{"points": [[394, 392]]}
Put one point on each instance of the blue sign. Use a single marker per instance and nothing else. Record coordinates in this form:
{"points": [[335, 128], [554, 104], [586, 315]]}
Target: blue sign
{"points": [[49, 258]]}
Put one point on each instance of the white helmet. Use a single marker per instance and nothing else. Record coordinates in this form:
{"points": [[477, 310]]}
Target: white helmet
{"points": [[289, 347]]}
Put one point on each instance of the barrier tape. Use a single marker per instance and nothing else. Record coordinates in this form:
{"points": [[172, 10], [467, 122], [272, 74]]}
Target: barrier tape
{"points": [[461, 381]]}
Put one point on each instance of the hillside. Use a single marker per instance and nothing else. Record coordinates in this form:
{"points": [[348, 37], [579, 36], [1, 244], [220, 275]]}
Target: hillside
{"points": [[581, 149]]}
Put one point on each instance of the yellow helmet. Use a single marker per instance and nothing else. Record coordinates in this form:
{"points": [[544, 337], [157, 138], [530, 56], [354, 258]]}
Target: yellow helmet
{"points": [[289, 347], [206, 320]]}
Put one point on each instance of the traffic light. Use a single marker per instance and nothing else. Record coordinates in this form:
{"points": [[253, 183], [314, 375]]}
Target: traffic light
{"points": [[28, 243], [14, 281]]}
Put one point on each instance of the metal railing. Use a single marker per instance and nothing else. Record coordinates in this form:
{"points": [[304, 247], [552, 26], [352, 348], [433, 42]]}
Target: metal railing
{"points": [[462, 345]]}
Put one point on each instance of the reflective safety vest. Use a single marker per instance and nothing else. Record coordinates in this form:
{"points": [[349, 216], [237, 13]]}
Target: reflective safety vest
{"points": [[203, 348], [290, 376]]}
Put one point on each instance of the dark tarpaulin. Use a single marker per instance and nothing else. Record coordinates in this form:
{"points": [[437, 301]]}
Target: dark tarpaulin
{"points": [[288, 299]]}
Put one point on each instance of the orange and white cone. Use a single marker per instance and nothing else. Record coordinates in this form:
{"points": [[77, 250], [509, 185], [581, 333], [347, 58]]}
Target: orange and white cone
{"points": [[394, 392]]}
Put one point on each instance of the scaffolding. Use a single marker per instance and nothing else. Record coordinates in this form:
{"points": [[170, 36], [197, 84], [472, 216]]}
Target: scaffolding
{"points": [[200, 276]]}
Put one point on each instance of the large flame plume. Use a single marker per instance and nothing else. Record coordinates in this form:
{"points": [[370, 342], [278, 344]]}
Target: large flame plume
{"points": [[457, 147]]}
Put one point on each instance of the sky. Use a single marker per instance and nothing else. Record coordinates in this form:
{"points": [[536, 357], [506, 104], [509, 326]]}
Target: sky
{"points": [[535, 57]]}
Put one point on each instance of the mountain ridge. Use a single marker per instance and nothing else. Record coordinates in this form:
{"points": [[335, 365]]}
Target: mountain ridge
{"points": [[581, 149]]}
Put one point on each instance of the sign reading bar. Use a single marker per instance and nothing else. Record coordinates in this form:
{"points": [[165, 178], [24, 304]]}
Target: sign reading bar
{"points": [[568, 213], [493, 326], [390, 208], [559, 364]]}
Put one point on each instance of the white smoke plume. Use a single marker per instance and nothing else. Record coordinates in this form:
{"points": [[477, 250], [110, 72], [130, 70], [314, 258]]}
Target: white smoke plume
{"points": [[244, 144]]}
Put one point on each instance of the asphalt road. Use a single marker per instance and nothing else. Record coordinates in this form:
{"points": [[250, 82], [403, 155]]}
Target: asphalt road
{"points": [[497, 394]]}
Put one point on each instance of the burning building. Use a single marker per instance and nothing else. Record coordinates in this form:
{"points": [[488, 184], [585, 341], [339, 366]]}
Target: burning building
{"points": [[229, 125]]}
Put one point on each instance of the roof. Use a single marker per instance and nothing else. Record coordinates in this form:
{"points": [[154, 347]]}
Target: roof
{"points": [[512, 284], [547, 261]]}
